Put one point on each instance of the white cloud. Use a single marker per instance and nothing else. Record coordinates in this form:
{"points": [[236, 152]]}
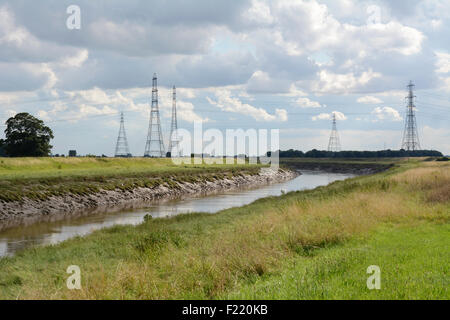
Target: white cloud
{"points": [[185, 111], [387, 113], [186, 93], [307, 103], [443, 62], [44, 69], [369, 100], [77, 60], [310, 25], [43, 115], [262, 82], [294, 50], [392, 37], [436, 23], [328, 116], [281, 114], [295, 92], [11, 34], [259, 13], [226, 102], [333, 83]]}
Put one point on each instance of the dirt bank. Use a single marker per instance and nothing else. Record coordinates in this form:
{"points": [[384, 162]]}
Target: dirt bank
{"points": [[336, 167], [59, 207]]}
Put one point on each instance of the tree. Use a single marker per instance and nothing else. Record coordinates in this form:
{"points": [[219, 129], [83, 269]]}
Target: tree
{"points": [[27, 136], [2, 148]]}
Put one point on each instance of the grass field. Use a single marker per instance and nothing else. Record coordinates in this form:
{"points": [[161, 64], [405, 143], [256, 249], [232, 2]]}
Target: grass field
{"points": [[314, 244], [39, 178], [414, 264]]}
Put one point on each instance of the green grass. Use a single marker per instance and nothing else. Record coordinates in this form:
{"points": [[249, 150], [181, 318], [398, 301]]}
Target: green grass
{"points": [[414, 264], [325, 237], [40, 178]]}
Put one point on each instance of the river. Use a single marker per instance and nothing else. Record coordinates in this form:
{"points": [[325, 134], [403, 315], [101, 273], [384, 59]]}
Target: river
{"points": [[46, 233]]}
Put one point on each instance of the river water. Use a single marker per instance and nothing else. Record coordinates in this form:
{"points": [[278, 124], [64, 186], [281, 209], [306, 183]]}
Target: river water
{"points": [[46, 233]]}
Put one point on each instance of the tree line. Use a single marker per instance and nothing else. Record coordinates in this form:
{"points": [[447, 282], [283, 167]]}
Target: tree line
{"points": [[359, 154], [27, 136]]}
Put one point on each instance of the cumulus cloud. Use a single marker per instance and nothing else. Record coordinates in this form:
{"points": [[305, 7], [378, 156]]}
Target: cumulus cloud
{"points": [[328, 116], [226, 102], [387, 113], [307, 103], [82, 104], [241, 54], [443, 62], [262, 82], [76, 60], [273, 43], [321, 30], [259, 14], [369, 100], [18, 44], [330, 82]]}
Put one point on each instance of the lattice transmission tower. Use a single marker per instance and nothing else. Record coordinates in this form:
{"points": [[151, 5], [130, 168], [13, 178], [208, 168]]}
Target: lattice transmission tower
{"points": [[155, 145], [122, 150], [410, 140], [173, 144], [334, 145]]}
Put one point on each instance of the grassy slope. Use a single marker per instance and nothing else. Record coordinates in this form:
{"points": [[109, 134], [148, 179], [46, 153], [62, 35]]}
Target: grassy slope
{"points": [[347, 160], [414, 264], [325, 237], [38, 178]]}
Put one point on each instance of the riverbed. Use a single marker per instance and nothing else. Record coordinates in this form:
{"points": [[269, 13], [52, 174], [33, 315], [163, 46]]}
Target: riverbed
{"points": [[46, 233]]}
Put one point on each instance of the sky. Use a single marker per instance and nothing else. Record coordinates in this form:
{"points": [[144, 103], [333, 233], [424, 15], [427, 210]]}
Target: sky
{"points": [[250, 64]]}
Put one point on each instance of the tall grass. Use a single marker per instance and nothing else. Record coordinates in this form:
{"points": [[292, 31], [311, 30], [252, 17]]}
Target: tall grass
{"points": [[205, 256], [433, 180]]}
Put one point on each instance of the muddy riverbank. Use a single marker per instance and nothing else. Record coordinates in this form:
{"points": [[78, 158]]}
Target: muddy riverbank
{"points": [[28, 211], [337, 166]]}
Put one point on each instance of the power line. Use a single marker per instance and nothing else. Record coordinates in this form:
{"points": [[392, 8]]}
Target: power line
{"points": [[436, 106], [436, 96]]}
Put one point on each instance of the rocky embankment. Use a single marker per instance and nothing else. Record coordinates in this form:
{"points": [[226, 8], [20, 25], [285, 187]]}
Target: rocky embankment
{"points": [[58, 207]]}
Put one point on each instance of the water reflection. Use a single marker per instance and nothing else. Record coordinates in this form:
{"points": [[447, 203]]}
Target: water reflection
{"points": [[45, 233]]}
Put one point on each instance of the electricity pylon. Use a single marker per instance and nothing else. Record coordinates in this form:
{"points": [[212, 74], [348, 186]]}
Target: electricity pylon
{"points": [[410, 140], [122, 150], [155, 145], [173, 144], [334, 145]]}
